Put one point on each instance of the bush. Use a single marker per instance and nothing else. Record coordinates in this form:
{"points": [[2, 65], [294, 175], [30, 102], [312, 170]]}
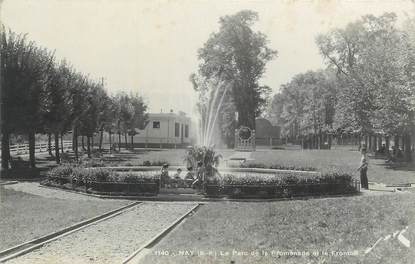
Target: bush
{"points": [[79, 175], [154, 163], [139, 177], [276, 166], [292, 178], [63, 171]]}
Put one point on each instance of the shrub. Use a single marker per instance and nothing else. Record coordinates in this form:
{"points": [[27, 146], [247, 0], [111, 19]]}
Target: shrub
{"points": [[99, 174], [63, 171], [154, 163], [131, 177], [281, 179], [277, 166], [147, 163]]}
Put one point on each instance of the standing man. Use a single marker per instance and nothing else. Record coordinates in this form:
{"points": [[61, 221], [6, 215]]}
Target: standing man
{"points": [[363, 169]]}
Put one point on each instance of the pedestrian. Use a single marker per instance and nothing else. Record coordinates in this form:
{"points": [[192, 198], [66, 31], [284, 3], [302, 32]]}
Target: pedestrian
{"points": [[363, 169], [164, 177]]}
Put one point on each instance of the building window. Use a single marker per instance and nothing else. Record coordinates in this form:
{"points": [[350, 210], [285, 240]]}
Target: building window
{"points": [[156, 124], [176, 129], [186, 131]]}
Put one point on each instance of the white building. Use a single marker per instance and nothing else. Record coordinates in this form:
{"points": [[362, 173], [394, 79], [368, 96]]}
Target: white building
{"points": [[165, 130]]}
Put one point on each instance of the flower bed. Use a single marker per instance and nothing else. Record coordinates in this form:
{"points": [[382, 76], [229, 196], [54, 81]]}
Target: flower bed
{"points": [[281, 185], [103, 181], [277, 166]]}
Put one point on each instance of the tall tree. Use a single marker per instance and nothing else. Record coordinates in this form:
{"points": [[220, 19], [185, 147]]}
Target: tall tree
{"points": [[238, 55]]}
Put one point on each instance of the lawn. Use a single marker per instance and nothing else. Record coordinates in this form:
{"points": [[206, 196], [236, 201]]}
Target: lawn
{"points": [[345, 160], [26, 216], [349, 225], [328, 160]]}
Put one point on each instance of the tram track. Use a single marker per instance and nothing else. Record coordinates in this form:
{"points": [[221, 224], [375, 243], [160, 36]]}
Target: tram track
{"points": [[26, 247], [141, 224], [133, 258]]}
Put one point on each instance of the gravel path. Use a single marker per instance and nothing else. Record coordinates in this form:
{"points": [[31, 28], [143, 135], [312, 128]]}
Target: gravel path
{"points": [[36, 189], [110, 241]]}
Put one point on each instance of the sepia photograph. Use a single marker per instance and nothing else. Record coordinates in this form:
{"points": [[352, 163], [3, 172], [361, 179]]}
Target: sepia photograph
{"points": [[207, 131]]}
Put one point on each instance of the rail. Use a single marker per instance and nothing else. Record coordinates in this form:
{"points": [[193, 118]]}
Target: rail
{"points": [[23, 149]]}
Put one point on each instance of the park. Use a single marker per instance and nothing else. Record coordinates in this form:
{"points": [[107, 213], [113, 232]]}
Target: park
{"points": [[317, 170]]}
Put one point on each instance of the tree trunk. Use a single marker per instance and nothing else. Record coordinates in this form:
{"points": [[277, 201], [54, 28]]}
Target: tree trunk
{"points": [[62, 150], [407, 147], [57, 155], [387, 145], [132, 142], [88, 145], [50, 144], [101, 137], [83, 143], [32, 142], [92, 142], [73, 138], [5, 149], [75, 146], [329, 139], [119, 141], [396, 142], [125, 139], [110, 140], [375, 143], [370, 143], [379, 142]]}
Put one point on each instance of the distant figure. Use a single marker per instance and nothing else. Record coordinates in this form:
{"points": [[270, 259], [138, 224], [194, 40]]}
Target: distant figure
{"points": [[190, 177], [177, 182], [197, 184], [164, 177], [382, 150], [363, 169]]}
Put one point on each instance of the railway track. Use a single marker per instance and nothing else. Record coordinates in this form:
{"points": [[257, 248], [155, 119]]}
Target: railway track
{"points": [[144, 224]]}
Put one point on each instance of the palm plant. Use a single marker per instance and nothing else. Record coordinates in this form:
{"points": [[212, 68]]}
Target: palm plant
{"points": [[203, 156]]}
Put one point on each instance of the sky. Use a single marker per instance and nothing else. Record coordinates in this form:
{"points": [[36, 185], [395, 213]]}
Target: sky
{"points": [[150, 47]]}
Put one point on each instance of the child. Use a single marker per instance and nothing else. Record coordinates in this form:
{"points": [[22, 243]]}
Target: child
{"points": [[198, 183], [177, 179], [189, 178], [164, 178], [363, 170]]}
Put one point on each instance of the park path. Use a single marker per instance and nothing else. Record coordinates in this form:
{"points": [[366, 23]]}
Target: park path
{"points": [[35, 188], [109, 241]]}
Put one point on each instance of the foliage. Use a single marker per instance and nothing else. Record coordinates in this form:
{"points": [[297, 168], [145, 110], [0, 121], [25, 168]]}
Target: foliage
{"points": [[277, 166], [40, 95], [154, 163], [79, 175], [204, 155], [291, 178], [232, 61], [305, 104], [372, 58], [367, 87], [63, 171]]}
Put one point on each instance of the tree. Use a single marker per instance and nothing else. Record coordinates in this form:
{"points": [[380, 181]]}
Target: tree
{"points": [[373, 61], [24, 71], [237, 55], [139, 116]]}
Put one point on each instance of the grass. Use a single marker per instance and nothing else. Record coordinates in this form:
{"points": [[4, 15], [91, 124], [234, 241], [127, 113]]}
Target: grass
{"points": [[340, 160], [25, 217], [344, 161], [325, 225]]}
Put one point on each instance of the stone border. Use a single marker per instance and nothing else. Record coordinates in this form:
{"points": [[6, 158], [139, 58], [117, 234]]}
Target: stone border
{"points": [[31, 245], [200, 198], [151, 242]]}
